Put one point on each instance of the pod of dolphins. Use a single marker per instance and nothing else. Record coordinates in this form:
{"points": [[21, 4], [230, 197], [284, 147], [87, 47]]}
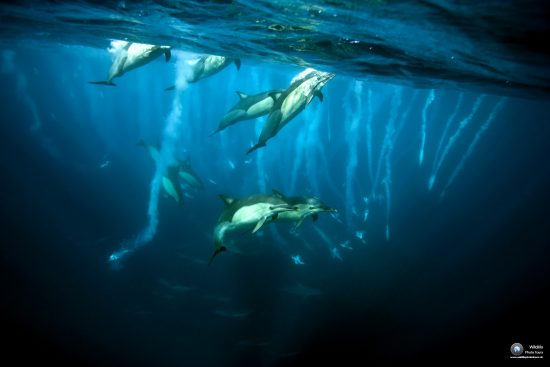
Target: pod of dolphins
{"points": [[280, 105]]}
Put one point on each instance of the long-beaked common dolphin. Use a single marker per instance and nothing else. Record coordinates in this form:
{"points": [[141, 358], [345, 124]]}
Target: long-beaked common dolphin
{"points": [[306, 206], [132, 55], [169, 179], [208, 65], [249, 107], [249, 213], [293, 101], [188, 174]]}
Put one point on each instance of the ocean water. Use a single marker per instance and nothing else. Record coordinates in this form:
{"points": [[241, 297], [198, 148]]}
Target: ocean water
{"points": [[431, 142]]}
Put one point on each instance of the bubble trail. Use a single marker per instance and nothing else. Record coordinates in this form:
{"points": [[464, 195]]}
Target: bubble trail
{"points": [[170, 138], [312, 140], [369, 136], [437, 162], [429, 101], [352, 124], [390, 137], [455, 136], [299, 148], [496, 109]]}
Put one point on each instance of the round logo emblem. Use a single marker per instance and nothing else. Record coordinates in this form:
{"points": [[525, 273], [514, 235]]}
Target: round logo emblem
{"points": [[516, 349]]}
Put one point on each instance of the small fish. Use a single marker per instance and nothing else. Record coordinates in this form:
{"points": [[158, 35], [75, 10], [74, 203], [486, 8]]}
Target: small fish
{"points": [[346, 245], [336, 253], [297, 259], [231, 164], [105, 164], [212, 181]]}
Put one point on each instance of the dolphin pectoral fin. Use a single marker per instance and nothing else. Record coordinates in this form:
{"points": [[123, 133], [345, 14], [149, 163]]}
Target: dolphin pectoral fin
{"points": [[216, 252], [277, 193], [104, 82], [226, 199], [259, 224], [315, 217], [170, 88], [257, 146], [238, 63], [167, 55], [319, 95]]}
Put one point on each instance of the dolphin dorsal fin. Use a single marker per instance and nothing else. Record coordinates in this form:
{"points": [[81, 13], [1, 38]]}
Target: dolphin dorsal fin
{"points": [[274, 95], [237, 63], [226, 199], [277, 193], [242, 95]]}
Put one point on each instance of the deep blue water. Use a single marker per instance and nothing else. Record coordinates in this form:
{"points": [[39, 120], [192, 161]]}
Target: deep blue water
{"points": [[455, 271]]}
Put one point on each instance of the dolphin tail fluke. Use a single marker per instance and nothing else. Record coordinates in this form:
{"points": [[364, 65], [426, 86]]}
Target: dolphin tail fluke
{"points": [[216, 252], [238, 63], [103, 82], [167, 55], [172, 87], [257, 146]]}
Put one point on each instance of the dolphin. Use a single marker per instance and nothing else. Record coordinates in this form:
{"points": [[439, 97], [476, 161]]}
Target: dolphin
{"points": [[208, 65], [306, 207], [131, 56], [169, 179], [188, 174], [249, 107], [294, 100], [249, 213]]}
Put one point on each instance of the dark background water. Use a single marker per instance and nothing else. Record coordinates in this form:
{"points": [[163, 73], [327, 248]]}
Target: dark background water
{"points": [[462, 276]]}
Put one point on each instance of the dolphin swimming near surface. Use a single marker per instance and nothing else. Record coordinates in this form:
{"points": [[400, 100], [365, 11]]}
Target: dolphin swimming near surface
{"points": [[208, 65], [294, 100], [249, 107], [305, 207], [133, 55], [249, 213]]}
